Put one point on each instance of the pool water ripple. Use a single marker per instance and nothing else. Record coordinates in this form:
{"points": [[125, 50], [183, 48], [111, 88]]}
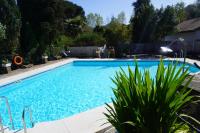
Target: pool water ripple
{"points": [[66, 90]]}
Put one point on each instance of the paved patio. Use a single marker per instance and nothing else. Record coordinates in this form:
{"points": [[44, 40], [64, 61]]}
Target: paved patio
{"points": [[90, 121], [195, 84]]}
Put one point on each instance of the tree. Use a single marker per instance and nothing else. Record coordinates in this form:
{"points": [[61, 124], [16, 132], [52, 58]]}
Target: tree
{"points": [[99, 30], [10, 18], [72, 10], [193, 10], [74, 19], [99, 20], [142, 21], [89, 39], [74, 26], [180, 12], [121, 18], [42, 23], [116, 34], [2, 32], [94, 20], [150, 25], [166, 22]]}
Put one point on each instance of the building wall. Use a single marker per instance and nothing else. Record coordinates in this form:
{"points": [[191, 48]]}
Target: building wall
{"points": [[191, 40], [197, 42]]}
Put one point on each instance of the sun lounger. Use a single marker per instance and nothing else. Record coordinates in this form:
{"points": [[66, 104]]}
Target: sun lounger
{"points": [[65, 53]]}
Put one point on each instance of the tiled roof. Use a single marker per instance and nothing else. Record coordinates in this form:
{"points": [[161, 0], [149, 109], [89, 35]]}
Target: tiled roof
{"points": [[189, 25]]}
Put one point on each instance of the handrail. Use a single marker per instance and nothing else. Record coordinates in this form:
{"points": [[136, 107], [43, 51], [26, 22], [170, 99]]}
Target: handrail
{"points": [[9, 111], [175, 55], [1, 125], [23, 118]]}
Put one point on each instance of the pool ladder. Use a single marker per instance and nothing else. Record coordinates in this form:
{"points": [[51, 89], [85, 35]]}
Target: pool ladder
{"points": [[26, 109], [30, 116], [9, 113]]}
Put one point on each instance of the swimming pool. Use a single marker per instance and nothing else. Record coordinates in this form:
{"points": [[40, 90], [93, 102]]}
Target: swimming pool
{"points": [[67, 90]]}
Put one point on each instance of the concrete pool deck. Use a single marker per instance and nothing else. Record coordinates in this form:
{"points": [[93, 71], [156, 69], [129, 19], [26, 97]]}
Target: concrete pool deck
{"points": [[90, 121]]}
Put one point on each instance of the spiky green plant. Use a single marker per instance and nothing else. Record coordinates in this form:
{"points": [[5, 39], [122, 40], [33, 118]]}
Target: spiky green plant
{"points": [[143, 104]]}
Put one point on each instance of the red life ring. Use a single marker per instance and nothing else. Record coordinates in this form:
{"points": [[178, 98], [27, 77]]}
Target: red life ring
{"points": [[18, 60]]}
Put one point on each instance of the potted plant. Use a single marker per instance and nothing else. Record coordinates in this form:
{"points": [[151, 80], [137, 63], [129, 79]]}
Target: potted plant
{"points": [[6, 66], [145, 104], [44, 58]]}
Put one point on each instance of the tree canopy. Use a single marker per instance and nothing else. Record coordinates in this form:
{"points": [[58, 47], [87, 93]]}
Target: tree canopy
{"points": [[74, 19], [116, 33], [142, 20], [35, 27], [193, 10], [94, 20], [121, 18], [10, 18], [42, 23], [152, 25]]}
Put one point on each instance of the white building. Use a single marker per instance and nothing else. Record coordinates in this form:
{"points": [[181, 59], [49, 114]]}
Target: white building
{"points": [[190, 31]]}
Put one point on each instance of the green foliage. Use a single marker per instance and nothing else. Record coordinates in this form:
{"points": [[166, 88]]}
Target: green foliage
{"points": [[142, 21], [74, 19], [2, 32], [63, 42], [94, 20], [143, 104], [99, 30], [10, 17], [43, 22], [89, 39], [166, 22], [74, 26], [72, 10], [152, 25], [180, 12], [121, 18], [116, 33], [193, 10]]}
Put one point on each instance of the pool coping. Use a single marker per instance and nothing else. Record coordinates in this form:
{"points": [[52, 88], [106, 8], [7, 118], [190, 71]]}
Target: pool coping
{"points": [[14, 78], [86, 122], [30, 73], [91, 121]]}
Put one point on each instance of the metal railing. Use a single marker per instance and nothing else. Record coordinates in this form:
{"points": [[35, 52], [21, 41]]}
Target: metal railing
{"points": [[23, 118], [9, 111], [1, 125]]}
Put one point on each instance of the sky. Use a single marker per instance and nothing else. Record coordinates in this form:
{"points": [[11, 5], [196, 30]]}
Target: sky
{"points": [[109, 8]]}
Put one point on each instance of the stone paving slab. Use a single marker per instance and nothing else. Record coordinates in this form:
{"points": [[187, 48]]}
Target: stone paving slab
{"points": [[87, 122]]}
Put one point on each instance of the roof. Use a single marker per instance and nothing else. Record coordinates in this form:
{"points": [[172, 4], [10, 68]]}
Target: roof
{"points": [[189, 25]]}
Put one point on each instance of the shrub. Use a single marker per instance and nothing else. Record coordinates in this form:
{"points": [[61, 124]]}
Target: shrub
{"points": [[63, 42], [146, 105], [89, 39]]}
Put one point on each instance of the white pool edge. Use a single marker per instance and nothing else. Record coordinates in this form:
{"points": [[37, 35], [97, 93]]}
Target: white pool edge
{"points": [[20, 76], [90, 121]]}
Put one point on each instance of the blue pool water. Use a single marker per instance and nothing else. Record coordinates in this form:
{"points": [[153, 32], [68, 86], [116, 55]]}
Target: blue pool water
{"points": [[67, 90]]}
